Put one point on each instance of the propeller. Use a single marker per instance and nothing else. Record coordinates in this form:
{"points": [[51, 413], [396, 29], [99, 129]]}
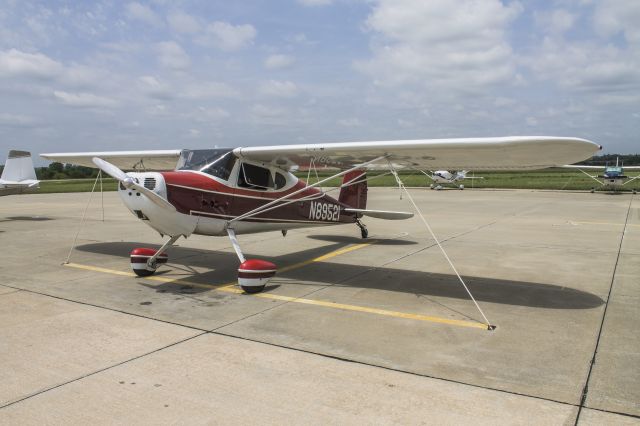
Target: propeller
{"points": [[129, 182]]}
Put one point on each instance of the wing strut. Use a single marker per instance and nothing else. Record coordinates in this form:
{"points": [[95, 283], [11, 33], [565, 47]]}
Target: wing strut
{"points": [[591, 176], [415, 206]]}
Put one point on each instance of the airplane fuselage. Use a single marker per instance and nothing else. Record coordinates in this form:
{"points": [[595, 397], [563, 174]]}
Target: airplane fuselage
{"points": [[204, 205]]}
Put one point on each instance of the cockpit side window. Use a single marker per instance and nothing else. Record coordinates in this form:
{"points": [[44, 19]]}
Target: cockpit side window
{"points": [[255, 177], [221, 167]]}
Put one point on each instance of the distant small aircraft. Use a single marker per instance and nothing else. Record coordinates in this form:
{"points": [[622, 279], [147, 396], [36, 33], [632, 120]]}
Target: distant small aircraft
{"points": [[19, 175], [612, 178], [440, 177]]}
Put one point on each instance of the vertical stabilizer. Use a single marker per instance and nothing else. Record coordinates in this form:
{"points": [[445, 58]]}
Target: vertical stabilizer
{"points": [[19, 167], [354, 190]]}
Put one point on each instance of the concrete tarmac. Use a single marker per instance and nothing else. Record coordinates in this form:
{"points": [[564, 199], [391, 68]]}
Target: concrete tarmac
{"points": [[349, 331]]}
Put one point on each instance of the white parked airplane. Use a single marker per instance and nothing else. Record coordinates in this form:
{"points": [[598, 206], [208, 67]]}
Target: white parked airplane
{"points": [[19, 175], [232, 191], [612, 177], [445, 177]]}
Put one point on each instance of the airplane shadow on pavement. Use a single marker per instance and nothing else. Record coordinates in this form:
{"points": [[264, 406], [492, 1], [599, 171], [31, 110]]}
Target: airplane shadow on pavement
{"points": [[185, 263]]}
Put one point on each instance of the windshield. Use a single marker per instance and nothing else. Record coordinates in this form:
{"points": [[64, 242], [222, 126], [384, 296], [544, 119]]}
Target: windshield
{"points": [[215, 162], [613, 169]]}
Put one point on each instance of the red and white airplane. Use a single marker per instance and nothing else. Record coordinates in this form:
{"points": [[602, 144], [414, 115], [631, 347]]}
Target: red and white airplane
{"points": [[226, 192]]}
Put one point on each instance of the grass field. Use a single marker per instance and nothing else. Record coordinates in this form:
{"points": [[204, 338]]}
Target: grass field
{"points": [[559, 179]]}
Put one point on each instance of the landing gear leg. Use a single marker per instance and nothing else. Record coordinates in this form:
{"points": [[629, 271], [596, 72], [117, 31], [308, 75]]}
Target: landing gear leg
{"points": [[152, 263], [253, 274], [363, 228]]}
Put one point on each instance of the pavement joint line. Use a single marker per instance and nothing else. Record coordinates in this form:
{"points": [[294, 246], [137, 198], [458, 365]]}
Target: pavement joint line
{"points": [[576, 222], [109, 367], [324, 355], [585, 389]]}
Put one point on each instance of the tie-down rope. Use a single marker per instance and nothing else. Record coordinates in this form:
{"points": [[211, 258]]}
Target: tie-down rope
{"points": [[444, 253], [75, 239]]}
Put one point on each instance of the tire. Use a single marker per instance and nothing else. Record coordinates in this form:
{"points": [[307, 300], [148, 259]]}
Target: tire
{"points": [[364, 233], [143, 272], [252, 289]]}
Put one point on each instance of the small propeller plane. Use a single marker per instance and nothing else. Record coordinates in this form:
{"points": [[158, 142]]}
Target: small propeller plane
{"points": [[19, 175], [245, 190], [445, 177], [612, 178]]}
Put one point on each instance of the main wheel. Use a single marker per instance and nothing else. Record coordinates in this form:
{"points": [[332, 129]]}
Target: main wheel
{"points": [[252, 289], [144, 272]]}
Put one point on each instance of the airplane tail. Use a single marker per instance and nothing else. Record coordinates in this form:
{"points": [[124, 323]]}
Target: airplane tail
{"points": [[354, 189], [18, 167]]}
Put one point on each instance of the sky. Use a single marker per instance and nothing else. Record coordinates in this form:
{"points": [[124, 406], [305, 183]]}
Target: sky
{"points": [[111, 75]]}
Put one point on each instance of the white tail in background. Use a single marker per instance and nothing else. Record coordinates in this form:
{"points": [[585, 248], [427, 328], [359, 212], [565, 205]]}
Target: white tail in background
{"points": [[19, 167]]}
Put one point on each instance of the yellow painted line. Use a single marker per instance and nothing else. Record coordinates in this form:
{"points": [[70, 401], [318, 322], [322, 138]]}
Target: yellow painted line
{"points": [[231, 288], [152, 278], [376, 311], [325, 256]]}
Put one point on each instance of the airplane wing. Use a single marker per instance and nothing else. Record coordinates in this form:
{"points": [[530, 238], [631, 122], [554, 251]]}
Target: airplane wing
{"points": [[500, 153], [578, 166], [125, 160], [631, 167]]}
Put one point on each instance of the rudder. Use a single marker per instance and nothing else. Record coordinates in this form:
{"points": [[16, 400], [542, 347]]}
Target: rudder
{"points": [[354, 194]]}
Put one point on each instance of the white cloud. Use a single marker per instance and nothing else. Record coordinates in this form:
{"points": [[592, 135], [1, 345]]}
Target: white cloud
{"points": [[315, 2], [181, 22], [280, 89], [264, 111], [17, 63], [16, 120], [209, 89], [226, 36], [140, 12], [440, 44], [557, 21], [155, 88], [278, 61], [83, 100], [350, 122], [172, 55], [618, 16]]}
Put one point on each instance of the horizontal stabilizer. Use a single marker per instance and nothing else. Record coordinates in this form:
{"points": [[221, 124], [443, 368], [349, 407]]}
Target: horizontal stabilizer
{"points": [[382, 214]]}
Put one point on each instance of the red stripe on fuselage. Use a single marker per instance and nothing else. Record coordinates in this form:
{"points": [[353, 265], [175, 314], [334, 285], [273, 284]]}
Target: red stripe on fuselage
{"points": [[199, 181]]}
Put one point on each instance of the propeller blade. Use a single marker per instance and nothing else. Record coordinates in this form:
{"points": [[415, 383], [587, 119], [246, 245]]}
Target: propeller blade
{"points": [[111, 170], [129, 182]]}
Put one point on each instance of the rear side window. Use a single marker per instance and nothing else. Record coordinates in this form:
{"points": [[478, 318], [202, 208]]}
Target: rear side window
{"points": [[255, 177], [281, 181]]}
